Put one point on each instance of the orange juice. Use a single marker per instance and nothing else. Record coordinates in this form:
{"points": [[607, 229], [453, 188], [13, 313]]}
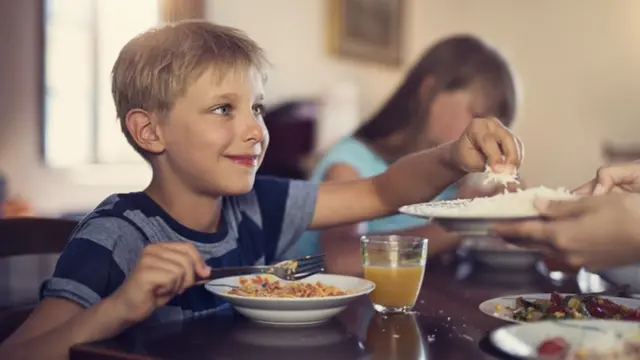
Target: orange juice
{"points": [[395, 286]]}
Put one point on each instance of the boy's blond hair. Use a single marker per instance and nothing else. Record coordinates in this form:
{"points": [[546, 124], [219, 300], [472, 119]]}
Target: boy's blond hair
{"points": [[156, 68]]}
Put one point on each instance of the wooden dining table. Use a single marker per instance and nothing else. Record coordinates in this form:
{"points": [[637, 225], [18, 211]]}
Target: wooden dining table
{"points": [[446, 324]]}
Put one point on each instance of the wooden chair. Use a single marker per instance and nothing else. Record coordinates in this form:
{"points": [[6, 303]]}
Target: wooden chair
{"points": [[29, 236]]}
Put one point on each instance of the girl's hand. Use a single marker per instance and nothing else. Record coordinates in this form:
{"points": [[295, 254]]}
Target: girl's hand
{"points": [[487, 141]]}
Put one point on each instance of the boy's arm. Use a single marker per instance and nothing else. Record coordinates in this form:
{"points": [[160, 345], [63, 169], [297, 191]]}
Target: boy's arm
{"points": [[415, 178], [341, 244], [162, 271], [419, 177], [58, 324]]}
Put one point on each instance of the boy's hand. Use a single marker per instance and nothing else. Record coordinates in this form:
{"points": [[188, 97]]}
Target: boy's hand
{"points": [[162, 272], [613, 178], [487, 141], [418, 177]]}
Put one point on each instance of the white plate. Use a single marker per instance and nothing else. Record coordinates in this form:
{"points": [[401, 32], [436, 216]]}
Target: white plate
{"points": [[498, 254], [522, 340], [467, 225], [442, 210], [489, 307], [516, 260], [326, 334], [497, 207], [450, 214], [289, 311]]}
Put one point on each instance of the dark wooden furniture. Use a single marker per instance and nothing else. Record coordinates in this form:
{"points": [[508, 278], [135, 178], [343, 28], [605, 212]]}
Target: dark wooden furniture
{"points": [[3, 193], [25, 243], [291, 128], [32, 236], [447, 325]]}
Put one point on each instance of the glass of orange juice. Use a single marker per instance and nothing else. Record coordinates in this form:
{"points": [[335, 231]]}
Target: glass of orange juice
{"points": [[396, 265]]}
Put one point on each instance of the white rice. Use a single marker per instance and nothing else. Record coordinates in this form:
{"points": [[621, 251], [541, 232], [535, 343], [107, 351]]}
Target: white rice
{"points": [[610, 345], [515, 204], [503, 178]]}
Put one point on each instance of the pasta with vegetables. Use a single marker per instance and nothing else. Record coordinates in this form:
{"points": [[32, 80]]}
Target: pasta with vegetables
{"points": [[262, 286]]}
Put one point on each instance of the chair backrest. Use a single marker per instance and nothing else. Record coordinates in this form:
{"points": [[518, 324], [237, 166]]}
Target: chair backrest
{"points": [[33, 236], [29, 236]]}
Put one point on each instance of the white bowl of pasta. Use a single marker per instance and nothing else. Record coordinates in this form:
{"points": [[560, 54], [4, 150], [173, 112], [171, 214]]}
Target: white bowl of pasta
{"points": [[268, 300]]}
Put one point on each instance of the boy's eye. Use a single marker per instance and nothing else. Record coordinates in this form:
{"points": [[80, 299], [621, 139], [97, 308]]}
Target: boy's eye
{"points": [[259, 109], [222, 110]]}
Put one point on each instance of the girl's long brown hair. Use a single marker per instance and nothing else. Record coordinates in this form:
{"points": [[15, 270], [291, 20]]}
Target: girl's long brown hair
{"points": [[453, 63]]}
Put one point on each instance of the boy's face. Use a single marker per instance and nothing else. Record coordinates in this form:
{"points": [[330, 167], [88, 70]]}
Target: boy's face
{"points": [[215, 137]]}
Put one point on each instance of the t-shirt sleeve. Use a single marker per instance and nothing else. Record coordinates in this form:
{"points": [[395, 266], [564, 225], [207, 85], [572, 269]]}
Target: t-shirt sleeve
{"points": [[352, 153], [287, 208], [94, 262]]}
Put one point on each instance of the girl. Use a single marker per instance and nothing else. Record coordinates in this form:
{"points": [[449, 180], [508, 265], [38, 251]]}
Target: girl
{"points": [[455, 80]]}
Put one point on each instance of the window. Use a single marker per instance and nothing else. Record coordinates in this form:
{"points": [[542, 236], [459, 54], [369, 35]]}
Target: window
{"points": [[82, 41]]}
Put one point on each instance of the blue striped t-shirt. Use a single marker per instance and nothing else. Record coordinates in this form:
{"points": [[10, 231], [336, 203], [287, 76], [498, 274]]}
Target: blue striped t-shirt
{"points": [[256, 228]]}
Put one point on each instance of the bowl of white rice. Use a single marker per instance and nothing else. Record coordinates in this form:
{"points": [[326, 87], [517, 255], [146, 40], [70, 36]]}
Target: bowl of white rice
{"points": [[473, 217]]}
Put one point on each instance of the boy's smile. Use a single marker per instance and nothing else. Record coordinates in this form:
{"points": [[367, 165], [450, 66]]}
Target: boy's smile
{"points": [[248, 160]]}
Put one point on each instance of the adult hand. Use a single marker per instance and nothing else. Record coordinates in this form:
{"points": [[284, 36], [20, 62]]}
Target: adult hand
{"points": [[613, 178], [594, 231]]}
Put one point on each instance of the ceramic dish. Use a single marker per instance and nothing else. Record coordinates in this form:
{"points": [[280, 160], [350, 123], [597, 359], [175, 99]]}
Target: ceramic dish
{"points": [[293, 311], [523, 340], [499, 307]]}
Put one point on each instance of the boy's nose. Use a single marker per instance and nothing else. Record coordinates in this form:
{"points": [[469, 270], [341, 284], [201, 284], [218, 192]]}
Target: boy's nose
{"points": [[255, 130]]}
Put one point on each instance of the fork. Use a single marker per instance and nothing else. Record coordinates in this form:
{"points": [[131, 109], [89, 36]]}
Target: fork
{"points": [[290, 270]]}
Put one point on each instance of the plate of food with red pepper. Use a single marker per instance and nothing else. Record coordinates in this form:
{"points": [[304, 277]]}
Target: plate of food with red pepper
{"points": [[557, 306], [590, 339]]}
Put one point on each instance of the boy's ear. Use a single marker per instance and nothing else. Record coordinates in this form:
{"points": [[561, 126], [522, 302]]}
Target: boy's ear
{"points": [[143, 127]]}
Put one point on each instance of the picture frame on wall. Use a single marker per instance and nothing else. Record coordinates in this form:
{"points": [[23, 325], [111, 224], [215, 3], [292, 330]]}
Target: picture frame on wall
{"points": [[366, 30], [176, 10]]}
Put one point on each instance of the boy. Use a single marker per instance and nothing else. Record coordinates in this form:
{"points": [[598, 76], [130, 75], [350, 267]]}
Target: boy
{"points": [[189, 98]]}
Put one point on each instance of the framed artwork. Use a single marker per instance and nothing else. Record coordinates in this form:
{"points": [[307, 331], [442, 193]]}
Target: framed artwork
{"points": [[368, 30], [175, 10]]}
